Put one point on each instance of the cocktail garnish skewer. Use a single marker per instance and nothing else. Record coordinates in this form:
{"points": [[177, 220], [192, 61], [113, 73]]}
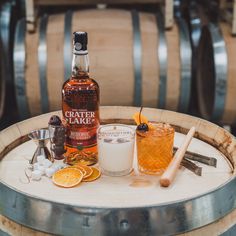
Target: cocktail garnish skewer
{"points": [[170, 172]]}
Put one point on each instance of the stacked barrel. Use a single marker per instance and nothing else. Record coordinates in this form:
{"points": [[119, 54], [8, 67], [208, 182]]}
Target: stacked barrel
{"points": [[6, 11], [8, 17], [136, 61]]}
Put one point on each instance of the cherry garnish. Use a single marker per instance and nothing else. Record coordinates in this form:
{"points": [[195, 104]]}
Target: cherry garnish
{"points": [[142, 127]]}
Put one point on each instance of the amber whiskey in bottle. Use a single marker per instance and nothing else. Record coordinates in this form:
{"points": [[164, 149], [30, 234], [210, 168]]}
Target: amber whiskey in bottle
{"points": [[80, 107]]}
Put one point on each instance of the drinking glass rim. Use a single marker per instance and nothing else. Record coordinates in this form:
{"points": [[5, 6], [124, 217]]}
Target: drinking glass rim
{"points": [[155, 123], [99, 131]]}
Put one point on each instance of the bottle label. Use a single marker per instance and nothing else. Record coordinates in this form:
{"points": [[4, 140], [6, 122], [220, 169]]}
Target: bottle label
{"points": [[81, 127], [81, 114], [75, 117]]}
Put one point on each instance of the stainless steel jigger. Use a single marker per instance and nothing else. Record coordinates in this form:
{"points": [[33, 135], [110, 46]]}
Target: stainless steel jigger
{"points": [[41, 138]]}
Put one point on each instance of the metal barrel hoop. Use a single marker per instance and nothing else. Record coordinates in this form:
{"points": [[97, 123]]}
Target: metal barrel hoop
{"points": [[221, 64], [186, 67], [137, 58], [19, 57], [67, 44], [2, 85], [6, 75], [162, 57], [42, 59], [5, 21], [195, 24]]}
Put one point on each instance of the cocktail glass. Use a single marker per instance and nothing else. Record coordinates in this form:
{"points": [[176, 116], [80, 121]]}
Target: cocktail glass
{"points": [[116, 149], [155, 148]]}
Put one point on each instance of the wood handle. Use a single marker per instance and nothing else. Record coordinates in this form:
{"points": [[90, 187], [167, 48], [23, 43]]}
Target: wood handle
{"points": [[170, 172]]}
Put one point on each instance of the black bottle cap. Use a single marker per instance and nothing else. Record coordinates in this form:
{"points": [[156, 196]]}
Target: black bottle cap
{"points": [[80, 40]]}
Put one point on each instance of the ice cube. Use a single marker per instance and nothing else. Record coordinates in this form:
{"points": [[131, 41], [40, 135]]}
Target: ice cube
{"points": [[36, 166], [40, 159], [41, 169], [36, 175], [62, 165], [56, 166], [46, 163], [49, 172]]}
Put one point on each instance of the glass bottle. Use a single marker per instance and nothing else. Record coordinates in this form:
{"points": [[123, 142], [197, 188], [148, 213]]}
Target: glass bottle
{"points": [[80, 107]]}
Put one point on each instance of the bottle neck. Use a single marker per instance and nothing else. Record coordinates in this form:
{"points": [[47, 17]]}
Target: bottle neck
{"points": [[80, 64]]}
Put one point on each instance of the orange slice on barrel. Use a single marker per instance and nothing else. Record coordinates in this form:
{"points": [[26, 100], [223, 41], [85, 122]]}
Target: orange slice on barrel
{"points": [[95, 175], [79, 168], [67, 177], [86, 169]]}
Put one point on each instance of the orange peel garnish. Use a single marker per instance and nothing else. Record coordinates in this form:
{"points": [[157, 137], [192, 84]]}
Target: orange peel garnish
{"points": [[139, 117]]}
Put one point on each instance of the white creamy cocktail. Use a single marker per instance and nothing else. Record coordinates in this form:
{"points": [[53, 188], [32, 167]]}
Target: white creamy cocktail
{"points": [[116, 149]]}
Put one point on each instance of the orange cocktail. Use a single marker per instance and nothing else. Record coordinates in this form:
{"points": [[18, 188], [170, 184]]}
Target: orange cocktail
{"points": [[155, 148]]}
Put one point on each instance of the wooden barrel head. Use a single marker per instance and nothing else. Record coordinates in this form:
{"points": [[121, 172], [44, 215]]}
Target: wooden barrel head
{"points": [[118, 199], [120, 192]]}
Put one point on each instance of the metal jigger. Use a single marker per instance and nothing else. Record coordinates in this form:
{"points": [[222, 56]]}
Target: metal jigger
{"points": [[41, 138]]}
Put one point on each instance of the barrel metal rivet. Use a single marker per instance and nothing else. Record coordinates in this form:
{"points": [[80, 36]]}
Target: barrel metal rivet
{"points": [[124, 225]]}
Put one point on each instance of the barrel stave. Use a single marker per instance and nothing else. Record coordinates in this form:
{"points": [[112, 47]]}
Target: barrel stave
{"points": [[55, 65], [229, 115], [150, 62], [32, 74]]}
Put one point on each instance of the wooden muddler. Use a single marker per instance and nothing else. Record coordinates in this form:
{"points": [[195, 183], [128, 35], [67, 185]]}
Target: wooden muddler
{"points": [[170, 172]]}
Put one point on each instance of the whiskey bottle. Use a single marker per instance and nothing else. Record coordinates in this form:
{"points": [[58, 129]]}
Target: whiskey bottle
{"points": [[80, 107]]}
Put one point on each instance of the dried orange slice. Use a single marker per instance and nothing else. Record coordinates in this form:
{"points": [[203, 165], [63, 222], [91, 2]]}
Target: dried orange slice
{"points": [[95, 175], [79, 168], [86, 162], [88, 170], [67, 177]]}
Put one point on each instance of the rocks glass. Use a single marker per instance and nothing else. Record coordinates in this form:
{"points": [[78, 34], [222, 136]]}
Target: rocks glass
{"points": [[155, 148], [116, 149]]}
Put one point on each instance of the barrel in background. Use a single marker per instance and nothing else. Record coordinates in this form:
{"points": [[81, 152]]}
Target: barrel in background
{"points": [[135, 61], [5, 48], [216, 74], [8, 17]]}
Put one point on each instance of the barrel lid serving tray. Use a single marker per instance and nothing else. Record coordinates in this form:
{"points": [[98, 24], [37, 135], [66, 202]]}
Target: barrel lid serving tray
{"points": [[129, 205]]}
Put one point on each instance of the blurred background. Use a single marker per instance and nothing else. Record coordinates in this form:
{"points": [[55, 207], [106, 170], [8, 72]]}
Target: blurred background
{"points": [[169, 54]]}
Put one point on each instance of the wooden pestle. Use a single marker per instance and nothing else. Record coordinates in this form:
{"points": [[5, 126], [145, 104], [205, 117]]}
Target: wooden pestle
{"points": [[170, 172]]}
